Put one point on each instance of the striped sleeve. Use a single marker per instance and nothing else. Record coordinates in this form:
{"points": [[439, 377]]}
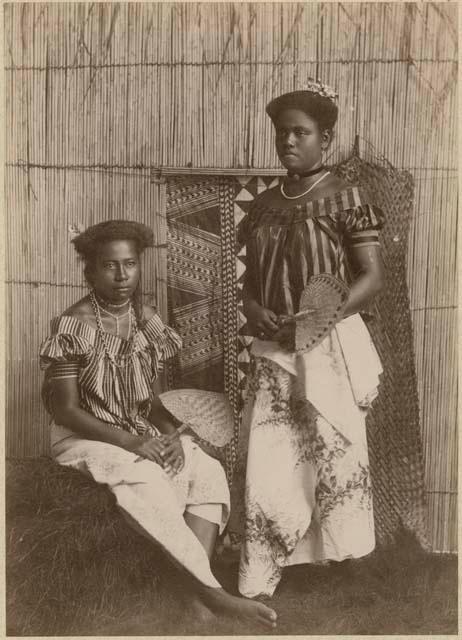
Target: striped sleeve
{"points": [[362, 225], [65, 349], [163, 341]]}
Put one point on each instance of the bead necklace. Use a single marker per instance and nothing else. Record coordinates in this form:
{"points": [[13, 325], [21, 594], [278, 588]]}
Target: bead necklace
{"points": [[102, 334], [305, 192], [116, 317], [111, 304]]}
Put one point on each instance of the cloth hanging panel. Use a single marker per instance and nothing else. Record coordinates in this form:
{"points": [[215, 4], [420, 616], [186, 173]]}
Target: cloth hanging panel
{"points": [[201, 281], [195, 296]]}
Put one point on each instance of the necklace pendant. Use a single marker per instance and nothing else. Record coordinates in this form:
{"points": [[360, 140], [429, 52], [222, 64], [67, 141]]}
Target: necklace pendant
{"points": [[126, 358]]}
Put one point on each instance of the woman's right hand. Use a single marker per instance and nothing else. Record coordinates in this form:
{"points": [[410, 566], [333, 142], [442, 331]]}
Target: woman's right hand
{"points": [[263, 322], [286, 333]]}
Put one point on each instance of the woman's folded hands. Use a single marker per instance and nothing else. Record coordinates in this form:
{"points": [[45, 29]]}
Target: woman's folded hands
{"points": [[166, 450]]}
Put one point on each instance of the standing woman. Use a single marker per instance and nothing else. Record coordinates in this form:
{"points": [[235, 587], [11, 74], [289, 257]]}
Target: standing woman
{"points": [[307, 487], [101, 361]]}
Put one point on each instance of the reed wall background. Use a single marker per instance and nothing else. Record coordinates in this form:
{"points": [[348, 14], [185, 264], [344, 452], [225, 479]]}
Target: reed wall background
{"points": [[99, 94]]}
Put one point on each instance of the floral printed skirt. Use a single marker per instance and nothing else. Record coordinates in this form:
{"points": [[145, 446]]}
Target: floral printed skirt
{"points": [[307, 488]]}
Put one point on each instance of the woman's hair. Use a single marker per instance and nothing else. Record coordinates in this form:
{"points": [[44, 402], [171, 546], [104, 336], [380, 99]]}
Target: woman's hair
{"points": [[88, 245], [321, 108]]}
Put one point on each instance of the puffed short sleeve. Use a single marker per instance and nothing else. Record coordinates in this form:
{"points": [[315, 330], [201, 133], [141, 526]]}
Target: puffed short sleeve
{"points": [[63, 356], [362, 225], [66, 349], [163, 341]]}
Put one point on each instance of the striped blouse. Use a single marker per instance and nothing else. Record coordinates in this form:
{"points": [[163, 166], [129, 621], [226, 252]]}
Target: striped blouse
{"points": [[118, 391], [285, 247]]}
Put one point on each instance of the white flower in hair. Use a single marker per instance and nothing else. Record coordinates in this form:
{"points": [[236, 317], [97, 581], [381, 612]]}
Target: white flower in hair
{"points": [[316, 86], [75, 230]]}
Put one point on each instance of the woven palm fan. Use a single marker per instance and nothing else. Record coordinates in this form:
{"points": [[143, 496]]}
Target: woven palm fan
{"points": [[321, 306], [208, 415]]}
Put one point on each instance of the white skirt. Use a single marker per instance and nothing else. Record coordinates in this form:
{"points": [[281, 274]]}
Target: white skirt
{"points": [[152, 501]]}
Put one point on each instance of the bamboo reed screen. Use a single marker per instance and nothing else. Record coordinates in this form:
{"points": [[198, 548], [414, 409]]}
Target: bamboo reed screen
{"points": [[97, 94]]}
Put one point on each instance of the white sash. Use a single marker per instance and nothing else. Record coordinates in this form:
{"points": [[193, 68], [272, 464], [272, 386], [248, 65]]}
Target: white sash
{"points": [[340, 376]]}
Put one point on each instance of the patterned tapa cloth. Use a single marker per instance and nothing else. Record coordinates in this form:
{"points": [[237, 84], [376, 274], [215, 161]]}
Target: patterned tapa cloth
{"points": [[118, 390], [202, 288], [196, 256]]}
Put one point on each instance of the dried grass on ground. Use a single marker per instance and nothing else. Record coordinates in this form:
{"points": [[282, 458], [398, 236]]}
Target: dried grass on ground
{"points": [[74, 567]]}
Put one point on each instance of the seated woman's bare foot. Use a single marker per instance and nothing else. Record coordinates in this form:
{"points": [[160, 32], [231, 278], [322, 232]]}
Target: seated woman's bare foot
{"points": [[249, 610]]}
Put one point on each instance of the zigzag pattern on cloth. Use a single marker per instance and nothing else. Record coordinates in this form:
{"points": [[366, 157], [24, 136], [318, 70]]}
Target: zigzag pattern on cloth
{"points": [[194, 274], [248, 189], [230, 320], [201, 326], [194, 204], [193, 259]]}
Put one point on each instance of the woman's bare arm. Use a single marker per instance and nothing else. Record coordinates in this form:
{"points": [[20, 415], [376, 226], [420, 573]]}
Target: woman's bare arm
{"points": [[161, 418], [68, 413], [260, 320], [368, 264]]}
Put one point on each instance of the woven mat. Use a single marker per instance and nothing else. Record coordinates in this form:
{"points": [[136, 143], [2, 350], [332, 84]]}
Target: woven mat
{"points": [[394, 437]]}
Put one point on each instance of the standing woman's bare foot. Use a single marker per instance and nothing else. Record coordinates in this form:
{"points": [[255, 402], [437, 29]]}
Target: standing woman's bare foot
{"points": [[247, 610]]}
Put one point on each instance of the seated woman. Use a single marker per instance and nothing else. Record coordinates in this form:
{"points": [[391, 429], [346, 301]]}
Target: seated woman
{"points": [[100, 362]]}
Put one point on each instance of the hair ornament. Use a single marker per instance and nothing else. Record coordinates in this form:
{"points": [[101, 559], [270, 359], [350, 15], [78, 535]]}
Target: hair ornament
{"points": [[75, 230], [316, 86]]}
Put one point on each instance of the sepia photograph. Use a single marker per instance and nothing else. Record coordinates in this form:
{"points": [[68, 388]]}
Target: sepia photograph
{"points": [[231, 318]]}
